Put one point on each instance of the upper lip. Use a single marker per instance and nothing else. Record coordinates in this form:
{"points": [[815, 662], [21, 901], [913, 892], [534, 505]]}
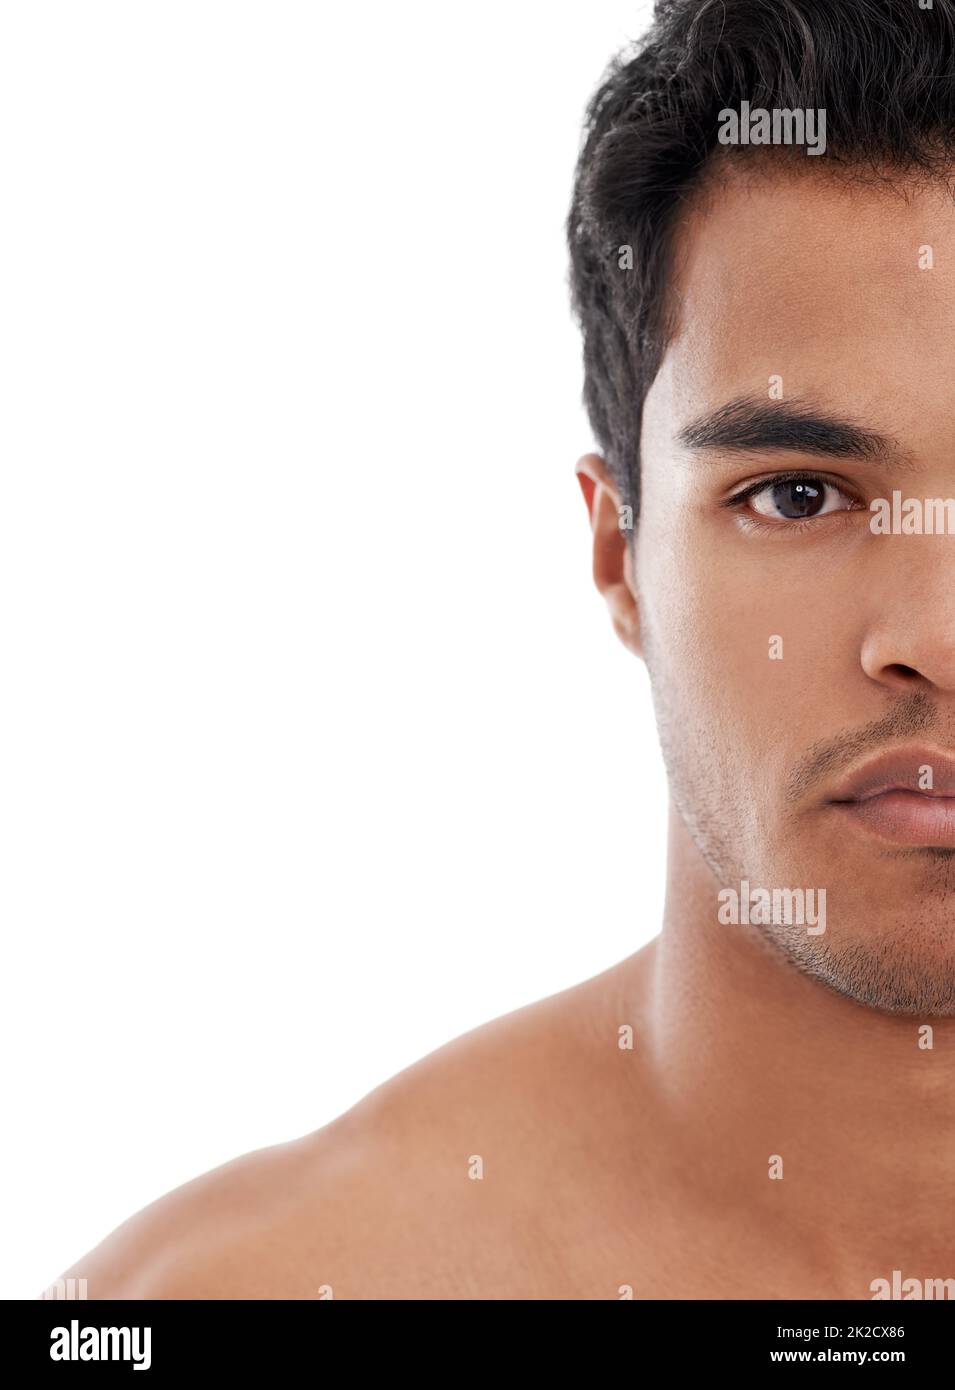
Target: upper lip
{"points": [[898, 770]]}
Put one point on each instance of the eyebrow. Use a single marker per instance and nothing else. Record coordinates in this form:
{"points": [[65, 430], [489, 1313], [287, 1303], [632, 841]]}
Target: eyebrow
{"points": [[747, 424]]}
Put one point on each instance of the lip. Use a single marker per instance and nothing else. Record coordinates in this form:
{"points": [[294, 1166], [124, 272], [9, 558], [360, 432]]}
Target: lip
{"points": [[884, 797]]}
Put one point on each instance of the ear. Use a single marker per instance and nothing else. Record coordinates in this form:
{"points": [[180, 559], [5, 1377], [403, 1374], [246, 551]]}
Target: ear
{"points": [[613, 555]]}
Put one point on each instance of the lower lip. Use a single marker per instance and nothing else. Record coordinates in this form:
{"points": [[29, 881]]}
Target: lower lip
{"points": [[906, 818]]}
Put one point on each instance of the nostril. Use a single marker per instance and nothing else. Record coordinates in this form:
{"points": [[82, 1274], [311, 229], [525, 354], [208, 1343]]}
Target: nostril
{"points": [[904, 672]]}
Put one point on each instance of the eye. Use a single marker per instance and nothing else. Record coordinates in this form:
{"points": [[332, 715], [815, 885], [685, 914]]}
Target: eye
{"points": [[795, 498]]}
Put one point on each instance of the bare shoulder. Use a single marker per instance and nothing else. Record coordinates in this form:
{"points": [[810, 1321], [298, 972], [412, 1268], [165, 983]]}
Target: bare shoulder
{"points": [[459, 1177]]}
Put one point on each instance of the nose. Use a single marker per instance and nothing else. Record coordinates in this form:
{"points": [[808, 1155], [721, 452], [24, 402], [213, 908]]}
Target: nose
{"points": [[909, 643]]}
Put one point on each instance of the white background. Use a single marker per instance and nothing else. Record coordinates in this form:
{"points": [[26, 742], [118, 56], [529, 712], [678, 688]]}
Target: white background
{"points": [[316, 745]]}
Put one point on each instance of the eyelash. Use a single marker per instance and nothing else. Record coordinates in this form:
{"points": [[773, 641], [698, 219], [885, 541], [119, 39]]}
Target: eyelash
{"points": [[797, 524]]}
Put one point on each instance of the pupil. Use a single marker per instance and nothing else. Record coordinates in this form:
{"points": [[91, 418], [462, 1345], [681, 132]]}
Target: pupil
{"points": [[798, 499]]}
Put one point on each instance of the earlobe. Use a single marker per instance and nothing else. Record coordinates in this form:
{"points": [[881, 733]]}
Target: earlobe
{"points": [[612, 557]]}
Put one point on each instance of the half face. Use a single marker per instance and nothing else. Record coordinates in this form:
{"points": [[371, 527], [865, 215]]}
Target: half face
{"points": [[801, 651]]}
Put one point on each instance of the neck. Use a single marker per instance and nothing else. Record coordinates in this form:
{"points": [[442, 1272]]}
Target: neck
{"points": [[754, 1059]]}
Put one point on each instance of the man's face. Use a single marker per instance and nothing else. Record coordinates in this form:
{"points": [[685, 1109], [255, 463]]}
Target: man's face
{"points": [[803, 295]]}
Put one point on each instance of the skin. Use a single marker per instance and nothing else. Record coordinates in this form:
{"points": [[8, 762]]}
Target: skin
{"points": [[608, 1167]]}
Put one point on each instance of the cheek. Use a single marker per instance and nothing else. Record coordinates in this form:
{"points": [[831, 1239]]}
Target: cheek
{"points": [[699, 616], [742, 636]]}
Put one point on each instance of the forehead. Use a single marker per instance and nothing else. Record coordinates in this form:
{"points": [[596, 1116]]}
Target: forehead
{"points": [[820, 281]]}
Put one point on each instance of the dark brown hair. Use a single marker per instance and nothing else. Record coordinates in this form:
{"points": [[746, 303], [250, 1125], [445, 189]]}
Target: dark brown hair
{"points": [[883, 71]]}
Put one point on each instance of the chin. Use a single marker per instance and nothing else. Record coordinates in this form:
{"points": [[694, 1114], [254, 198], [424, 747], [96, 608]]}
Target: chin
{"points": [[914, 978]]}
